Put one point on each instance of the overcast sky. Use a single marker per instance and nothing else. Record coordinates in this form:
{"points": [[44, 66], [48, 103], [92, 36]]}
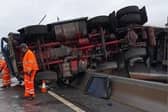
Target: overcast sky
{"points": [[15, 14]]}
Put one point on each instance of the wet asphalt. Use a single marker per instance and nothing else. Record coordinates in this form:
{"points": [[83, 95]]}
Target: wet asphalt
{"points": [[11, 100]]}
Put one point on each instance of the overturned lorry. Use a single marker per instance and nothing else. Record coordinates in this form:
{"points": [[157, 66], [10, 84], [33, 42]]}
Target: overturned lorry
{"points": [[66, 49], [63, 49]]}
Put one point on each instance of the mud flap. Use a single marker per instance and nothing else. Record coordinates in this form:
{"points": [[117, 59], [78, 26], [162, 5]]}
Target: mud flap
{"points": [[100, 87], [46, 75]]}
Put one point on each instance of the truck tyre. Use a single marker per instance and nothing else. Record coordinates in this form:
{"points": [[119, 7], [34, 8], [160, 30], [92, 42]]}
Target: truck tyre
{"points": [[99, 21], [34, 29], [113, 22], [131, 18], [126, 10], [144, 17]]}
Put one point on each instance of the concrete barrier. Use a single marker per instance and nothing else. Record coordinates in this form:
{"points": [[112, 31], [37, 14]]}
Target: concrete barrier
{"points": [[143, 95]]}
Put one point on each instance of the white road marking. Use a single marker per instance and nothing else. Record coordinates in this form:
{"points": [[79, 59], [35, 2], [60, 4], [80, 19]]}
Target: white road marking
{"points": [[66, 102]]}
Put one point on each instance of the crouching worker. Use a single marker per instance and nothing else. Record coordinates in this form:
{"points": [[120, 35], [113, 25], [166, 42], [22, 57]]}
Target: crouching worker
{"points": [[30, 68], [6, 80]]}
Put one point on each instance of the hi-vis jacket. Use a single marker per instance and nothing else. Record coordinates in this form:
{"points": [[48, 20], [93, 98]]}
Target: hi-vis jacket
{"points": [[29, 62]]}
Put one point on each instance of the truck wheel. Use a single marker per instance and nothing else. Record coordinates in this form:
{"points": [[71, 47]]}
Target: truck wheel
{"points": [[144, 17], [34, 29], [126, 10], [131, 18], [99, 21], [113, 22]]}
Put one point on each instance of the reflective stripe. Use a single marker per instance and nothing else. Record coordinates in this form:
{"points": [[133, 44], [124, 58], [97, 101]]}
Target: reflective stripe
{"points": [[6, 82], [29, 83], [28, 61], [31, 91], [6, 79]]}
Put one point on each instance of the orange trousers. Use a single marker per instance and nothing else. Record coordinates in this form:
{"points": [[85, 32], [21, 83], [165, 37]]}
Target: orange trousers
{"points": [[6, 81], [29, 84]]}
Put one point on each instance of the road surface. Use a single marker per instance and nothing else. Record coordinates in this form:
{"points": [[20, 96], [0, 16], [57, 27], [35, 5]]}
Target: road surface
{"points": [[11, 101]]}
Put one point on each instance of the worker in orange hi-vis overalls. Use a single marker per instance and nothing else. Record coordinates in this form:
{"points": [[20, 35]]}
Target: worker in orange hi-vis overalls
{"points": [[30, 68], [6, 80]]}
